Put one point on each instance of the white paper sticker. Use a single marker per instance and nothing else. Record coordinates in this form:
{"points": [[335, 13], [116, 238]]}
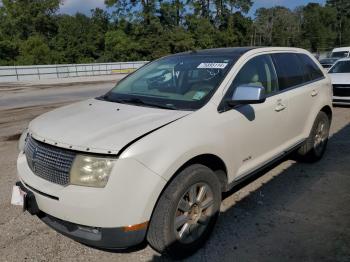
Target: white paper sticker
{"points": [[212, 65], [198, 95], [17, 196]]}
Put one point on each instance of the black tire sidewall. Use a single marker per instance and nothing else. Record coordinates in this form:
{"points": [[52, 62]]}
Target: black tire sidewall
{"points": [[167, 206], [307, 153], [320, 117]]}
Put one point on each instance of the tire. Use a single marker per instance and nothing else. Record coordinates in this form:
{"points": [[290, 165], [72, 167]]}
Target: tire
{"points": [[315, 145], [181, 241]]}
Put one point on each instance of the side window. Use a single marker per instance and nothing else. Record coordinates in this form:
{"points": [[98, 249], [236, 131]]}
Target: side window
{"points": [[310, 68], [258, 71], [289, 70]]}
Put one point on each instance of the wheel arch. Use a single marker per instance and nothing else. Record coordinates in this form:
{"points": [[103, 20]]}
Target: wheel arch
{"points": [[325, 108], [209, 160], [328, 110], [213, 162]]}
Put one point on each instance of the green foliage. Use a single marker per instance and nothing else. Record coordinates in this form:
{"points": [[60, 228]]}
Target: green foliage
{"points": [[180, 40], [8, 52], [277, 26], [315, 27], [34, 32], [342, 11], [120, 47], [27, 17], [34, 51], [79, 38], [318, 32]]}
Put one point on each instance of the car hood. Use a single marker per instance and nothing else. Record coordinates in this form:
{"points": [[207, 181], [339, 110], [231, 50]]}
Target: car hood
{"points": [[99, 126], [340, 78]]}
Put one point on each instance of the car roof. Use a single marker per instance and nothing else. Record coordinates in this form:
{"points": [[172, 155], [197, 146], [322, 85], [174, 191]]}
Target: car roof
{"points": [[341, 49], [235, 51], [226, 51]]}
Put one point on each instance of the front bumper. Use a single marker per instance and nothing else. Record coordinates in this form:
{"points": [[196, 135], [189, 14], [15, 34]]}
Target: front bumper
{"points": [[103, 238], [97, 217], [128, 199]]}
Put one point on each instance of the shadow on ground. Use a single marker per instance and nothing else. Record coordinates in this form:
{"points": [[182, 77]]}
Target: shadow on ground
{"points": [[301, 214]]}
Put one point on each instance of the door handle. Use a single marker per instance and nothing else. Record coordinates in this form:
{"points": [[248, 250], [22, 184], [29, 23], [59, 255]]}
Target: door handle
{"points": [[280, 107], [314, 93]]}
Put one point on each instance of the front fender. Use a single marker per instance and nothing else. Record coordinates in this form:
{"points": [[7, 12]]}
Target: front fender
{"points": [[170, 147]]}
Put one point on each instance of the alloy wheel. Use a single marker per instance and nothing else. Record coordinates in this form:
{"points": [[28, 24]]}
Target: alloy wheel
{"points": [[193, 213], [321, 137]]}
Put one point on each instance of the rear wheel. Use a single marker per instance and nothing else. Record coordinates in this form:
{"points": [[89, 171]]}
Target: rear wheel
{"points": [[315, 145], [186, 212]]}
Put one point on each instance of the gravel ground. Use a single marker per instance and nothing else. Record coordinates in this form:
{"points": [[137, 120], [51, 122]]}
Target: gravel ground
{"points": [[294, 212]]}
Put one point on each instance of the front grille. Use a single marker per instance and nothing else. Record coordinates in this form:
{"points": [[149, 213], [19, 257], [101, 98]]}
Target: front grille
{"points": [[49, 162], [341, 90]]}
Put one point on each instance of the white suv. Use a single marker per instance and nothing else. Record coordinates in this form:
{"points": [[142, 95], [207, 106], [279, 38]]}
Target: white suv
{"points": [[149, 160]]}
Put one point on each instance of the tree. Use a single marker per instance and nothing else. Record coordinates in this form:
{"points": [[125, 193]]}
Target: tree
{"points": [[34, 32], [318, 22], [78, 40], [241, 5], [120, 47], [8, 52], [181, 40], [171, 13], [26, 18], [145, 8], [342, 8], [34, 51], [276, 26]]}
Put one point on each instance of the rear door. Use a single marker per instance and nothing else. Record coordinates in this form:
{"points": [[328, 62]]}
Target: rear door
{"points": [[301, 81], [316, 90], [293, 78]]}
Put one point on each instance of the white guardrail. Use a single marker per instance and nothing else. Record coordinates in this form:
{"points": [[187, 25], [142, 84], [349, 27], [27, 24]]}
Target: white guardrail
{"points": [[38, 72]]}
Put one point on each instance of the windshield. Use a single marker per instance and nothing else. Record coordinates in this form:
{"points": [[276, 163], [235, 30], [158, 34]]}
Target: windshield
{"points": [[341, 67], [176, 82], [339, 54]]}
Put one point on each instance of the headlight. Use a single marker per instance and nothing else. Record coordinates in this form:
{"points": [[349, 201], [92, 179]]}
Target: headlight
{"points": [[91, 171], [22, 140]]}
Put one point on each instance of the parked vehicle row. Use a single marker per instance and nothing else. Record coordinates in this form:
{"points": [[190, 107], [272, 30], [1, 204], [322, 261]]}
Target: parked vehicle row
{"points": [[149, 160], [336, 54], [337, 66], [340, 77]]}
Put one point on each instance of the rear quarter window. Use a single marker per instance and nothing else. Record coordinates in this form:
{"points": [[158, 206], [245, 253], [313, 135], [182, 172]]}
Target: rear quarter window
{"points": [[289, 70], [312, 71]]}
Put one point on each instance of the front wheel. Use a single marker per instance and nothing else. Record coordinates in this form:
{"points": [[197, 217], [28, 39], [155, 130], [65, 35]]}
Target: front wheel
{"points": [[186, 212], [315, 145]]}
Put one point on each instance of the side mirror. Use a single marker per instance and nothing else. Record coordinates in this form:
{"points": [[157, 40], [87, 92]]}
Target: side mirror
{"points": [[247, 94]]}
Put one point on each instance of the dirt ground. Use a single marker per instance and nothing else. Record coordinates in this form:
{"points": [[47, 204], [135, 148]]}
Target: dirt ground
{"points": [[294, 212]]}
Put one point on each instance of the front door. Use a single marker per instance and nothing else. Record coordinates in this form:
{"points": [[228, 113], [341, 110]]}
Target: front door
{"points": [[256, 133]]}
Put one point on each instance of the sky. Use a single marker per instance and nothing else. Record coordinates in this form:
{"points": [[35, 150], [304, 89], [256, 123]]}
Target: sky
{"points": [[84, 6], [287, 3]]}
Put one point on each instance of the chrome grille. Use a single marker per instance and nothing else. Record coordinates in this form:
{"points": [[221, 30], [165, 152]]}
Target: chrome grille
{"points": [[49, 162]]}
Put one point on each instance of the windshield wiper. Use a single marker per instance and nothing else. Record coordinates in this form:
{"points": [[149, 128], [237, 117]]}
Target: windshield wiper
{"points": [[138, 101]]}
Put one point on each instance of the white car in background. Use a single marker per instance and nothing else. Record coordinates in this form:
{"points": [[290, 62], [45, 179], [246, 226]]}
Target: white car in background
{"points": [[340, 76], [337, 53], [149, 160]]}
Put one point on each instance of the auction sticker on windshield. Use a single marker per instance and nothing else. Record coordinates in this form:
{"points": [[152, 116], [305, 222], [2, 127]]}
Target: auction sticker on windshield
{"points": [[212, 65]]}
